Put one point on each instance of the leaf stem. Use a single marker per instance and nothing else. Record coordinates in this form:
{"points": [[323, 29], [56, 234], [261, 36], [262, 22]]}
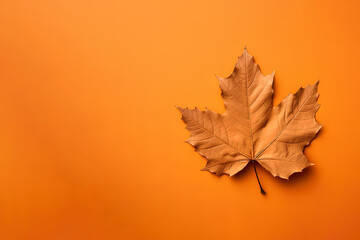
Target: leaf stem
{"points": [[261, 189]]}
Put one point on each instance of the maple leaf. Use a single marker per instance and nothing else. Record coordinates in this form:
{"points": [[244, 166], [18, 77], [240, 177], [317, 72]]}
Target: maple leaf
{"points": [[251, 129]]}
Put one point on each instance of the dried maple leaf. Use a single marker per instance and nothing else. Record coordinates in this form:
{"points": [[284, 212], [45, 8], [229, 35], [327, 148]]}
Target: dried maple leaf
{"points": [[251, 129]]}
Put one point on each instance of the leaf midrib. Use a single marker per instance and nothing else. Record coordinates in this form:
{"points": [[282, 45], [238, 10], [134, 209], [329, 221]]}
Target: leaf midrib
{"points": [[213, 134]]}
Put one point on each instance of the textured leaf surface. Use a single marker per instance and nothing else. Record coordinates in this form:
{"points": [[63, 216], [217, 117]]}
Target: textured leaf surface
{"points": [[251, 129]]}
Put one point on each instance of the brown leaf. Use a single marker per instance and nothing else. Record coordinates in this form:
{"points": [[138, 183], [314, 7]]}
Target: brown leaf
{"points": [[251, 129]]}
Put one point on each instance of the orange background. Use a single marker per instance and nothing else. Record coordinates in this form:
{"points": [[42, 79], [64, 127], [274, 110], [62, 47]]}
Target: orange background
{"points": [[92, 147]]}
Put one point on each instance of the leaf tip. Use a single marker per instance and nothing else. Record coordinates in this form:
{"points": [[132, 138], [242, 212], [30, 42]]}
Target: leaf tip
{"points": [[218, 77], [180, 109], [315, 85], [245, 52]]}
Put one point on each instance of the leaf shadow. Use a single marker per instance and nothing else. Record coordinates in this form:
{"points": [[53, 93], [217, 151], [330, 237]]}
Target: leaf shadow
{"points": [[298, 178], [245, 171]]}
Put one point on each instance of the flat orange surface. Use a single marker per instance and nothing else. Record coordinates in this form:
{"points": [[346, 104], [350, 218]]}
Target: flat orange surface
{"points": [[92, 147]]}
